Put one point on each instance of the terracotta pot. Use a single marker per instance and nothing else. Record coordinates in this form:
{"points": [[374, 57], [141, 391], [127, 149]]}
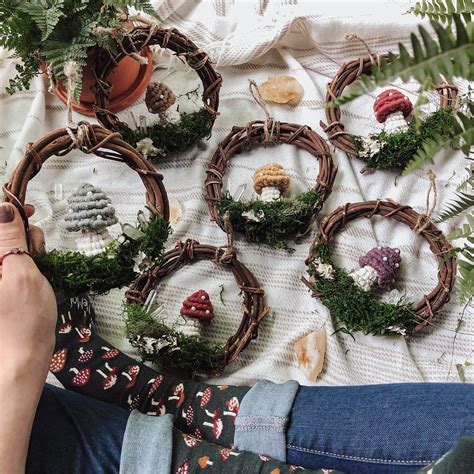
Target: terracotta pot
{"points": [[129, 80]]}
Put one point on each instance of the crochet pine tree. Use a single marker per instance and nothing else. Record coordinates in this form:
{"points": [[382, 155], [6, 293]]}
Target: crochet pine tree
{"points": [[90, 212]]}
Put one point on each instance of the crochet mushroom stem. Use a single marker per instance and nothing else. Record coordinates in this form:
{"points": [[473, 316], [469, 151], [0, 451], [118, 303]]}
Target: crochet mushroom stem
{"points": [[379, 266], [90, 212], [270, 181], [392, 108]]}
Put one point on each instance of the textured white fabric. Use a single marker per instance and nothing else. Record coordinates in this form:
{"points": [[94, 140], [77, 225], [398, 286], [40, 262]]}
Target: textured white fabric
{"points": [[256, 39]]}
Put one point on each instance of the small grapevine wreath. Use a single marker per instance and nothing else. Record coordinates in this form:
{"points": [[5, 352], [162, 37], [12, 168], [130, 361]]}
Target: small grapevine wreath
{"points": [[162, 137], [73, 272], [172, 348], [355, 306], [274, 220], [393, 147]]}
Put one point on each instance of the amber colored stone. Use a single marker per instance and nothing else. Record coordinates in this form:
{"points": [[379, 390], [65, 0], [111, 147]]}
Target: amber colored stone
{"points": [[281, 90]]}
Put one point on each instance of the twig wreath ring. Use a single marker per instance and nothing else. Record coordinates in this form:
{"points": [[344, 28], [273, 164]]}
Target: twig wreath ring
{"points": [[272, 219], [168, 137], [355, 307], [390, 149], [173, 349], [73, 272]]}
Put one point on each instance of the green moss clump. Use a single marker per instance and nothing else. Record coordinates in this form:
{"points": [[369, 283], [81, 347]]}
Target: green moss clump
{"points": [[193, 355], [398, 149], [74, 273], [355, 309], [279, 219], [171, 137]]}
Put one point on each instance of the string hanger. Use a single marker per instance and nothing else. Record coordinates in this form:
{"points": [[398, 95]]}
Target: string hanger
{"points": [[424, 220], [268, 122]]}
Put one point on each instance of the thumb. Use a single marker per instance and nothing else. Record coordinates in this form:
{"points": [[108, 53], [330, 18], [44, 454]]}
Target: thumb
{"points": [[12, 232]]}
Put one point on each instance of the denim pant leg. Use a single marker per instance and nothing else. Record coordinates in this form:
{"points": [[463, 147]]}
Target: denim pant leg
{"points": [[378, 428], [73, 434]]}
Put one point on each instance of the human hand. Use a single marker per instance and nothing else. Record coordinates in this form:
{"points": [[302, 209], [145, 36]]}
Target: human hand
{"points": [[27, 303]]}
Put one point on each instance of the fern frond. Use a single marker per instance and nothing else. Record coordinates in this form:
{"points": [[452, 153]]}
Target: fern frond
{"points": [[461, 136], [463, 202], [450, 54], [467, 182], [443, 11], [45, 14]]}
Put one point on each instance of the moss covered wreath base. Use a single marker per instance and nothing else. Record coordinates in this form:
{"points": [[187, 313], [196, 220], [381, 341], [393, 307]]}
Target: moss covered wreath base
{"points": [[120, 263], [383, 151], [167, 137], [269, 222], [167, 345], [353, 308]]}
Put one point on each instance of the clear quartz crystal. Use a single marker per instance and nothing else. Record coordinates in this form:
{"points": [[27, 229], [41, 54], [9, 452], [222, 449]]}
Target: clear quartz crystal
{"points": [[239, 192], [58, 191]]}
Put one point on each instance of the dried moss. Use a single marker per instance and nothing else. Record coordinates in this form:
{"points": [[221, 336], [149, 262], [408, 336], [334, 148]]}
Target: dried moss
{"points": [[280, 219], [354, 309], [193, 356], [75, 273], [171, 137], [398, 149]]}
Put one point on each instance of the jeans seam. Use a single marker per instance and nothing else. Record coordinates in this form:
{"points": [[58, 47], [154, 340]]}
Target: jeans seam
{"points": [[357, 458]]}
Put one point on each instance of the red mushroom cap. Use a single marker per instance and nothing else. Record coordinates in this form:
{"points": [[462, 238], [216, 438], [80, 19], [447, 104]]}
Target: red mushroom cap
{"points": [[189, 415], [110, 353], [198, 306], [206, 396], [132, 371], [82, 377], [156, 382], [197, 433], [391, 101], [85, 356], [58, 360], [184, 468]]}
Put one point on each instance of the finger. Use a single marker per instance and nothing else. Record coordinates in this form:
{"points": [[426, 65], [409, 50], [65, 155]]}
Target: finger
{"points": [[12, 235], [37, 241], [30, 210]]}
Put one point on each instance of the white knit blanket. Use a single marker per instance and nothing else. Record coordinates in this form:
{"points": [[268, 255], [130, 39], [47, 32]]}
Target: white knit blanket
{"points": [[253, 40]]}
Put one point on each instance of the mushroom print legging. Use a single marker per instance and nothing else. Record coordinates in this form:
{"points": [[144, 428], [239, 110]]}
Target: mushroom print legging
{"points": [[379, 428]]}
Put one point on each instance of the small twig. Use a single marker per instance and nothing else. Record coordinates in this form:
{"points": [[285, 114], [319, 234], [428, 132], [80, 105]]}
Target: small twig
{"points": [[221, 294]]}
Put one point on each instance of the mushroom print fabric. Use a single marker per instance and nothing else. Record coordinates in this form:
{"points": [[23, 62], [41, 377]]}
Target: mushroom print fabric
{"points": [[85, 363], [192, 455]]}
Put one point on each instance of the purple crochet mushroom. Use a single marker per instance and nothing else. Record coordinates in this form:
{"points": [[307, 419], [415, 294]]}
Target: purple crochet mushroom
{"points": [[379, 265]]}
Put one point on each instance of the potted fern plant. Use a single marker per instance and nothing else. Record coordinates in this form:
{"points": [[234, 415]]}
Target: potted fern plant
{"points": [[61, 38]]}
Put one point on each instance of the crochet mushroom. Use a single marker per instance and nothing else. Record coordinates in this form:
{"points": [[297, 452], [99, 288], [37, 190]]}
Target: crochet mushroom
{"points": [[393, 107], [271, 181], [198, 311], [379, 266], [90, 212]]}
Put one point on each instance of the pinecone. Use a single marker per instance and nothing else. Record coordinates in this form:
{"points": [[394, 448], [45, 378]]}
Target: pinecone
{"points": [[159, 97]]}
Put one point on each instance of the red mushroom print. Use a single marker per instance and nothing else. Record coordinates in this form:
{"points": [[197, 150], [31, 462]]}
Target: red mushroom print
{"points": [[205, 396], [81, 377], [85, 356], [178, 394], [58, 360], [66, 326], [190, 441], [84, 334], [393, 107], [184, 468], [160, 409], [133, 402], [155, 383], [197, 433], [110, 353], [110, 379], [216, 424], [204, 461], [226, 453], [132, 375], [198, 306], [189, 415], [233, 406]]}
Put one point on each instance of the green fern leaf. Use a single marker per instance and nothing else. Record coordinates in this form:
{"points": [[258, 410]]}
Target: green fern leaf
{"points": [[449, 54], [463, 202], [443, 11], [45, 13]]}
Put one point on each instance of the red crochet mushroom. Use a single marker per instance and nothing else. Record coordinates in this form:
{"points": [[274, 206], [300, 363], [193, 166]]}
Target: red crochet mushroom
{"points": [[392, 107], [198, 306]]}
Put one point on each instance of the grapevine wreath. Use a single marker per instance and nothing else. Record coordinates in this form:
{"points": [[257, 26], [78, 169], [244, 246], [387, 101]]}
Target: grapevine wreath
{"points": [[386, 149], [172, 348], [162, 137], [273, 220], [355, 306], [74, 272]]}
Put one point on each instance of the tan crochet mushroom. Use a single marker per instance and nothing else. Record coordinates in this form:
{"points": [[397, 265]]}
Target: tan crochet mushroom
{"points": [[271, 181]]}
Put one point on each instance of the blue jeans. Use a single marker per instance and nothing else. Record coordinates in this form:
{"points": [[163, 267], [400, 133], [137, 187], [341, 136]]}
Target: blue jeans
{"points": [[379, 429], [370, 429]]}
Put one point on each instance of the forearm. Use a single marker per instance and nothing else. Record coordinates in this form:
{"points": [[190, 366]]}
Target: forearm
{"points": [[19, 396]]}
